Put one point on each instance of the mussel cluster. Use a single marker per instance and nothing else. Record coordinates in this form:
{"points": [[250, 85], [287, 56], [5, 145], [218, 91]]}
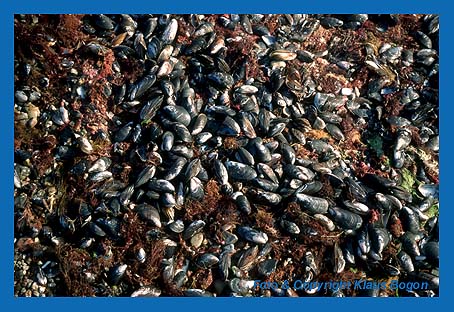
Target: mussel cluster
{"points": [[191, 155]]}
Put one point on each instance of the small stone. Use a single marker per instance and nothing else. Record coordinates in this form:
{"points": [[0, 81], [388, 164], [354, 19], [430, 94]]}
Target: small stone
{"points": [[21, 96], [32, 122], [278, 64], [196, 240], [85, 145], [327, 223], [34, 96], [346, 91], [32, 111], [35, 286]]}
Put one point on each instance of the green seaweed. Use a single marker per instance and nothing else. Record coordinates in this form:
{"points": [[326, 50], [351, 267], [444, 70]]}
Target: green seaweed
{"points": [[408, 180], [145, 122], [410, 184], [386, 162], [433, 211], [376, 144]]}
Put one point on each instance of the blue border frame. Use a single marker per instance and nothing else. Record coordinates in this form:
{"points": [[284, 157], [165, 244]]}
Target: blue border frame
{"points": [[8, 9]]}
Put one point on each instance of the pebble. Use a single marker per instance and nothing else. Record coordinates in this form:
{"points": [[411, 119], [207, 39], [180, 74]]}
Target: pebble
{"points": [[21, 96], [346, 91], [196, 240]]}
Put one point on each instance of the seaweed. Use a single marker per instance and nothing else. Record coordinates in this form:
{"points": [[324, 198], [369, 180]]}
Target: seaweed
{"points": [[376, 144]]}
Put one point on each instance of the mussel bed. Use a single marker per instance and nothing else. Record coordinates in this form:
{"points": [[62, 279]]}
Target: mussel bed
{"points": [[191, 155]]}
